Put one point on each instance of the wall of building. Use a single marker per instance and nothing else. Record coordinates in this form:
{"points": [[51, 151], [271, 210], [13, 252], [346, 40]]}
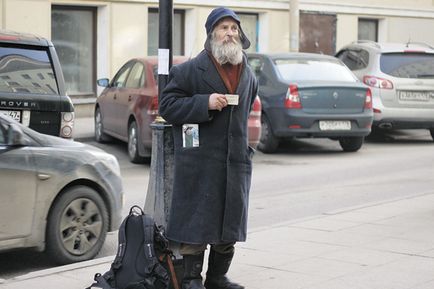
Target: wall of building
{"points": [[122, 25]]}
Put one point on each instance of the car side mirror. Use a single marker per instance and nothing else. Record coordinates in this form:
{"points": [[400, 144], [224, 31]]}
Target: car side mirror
{"points": [[16, 136], [104, 82]]}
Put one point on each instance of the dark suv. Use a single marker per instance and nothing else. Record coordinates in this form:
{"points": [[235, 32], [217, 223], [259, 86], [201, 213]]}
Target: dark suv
{"points": [[32, 87]]}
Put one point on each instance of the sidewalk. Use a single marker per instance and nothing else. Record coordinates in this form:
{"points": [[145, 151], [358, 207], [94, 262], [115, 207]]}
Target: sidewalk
{"points": [[389, 245]]}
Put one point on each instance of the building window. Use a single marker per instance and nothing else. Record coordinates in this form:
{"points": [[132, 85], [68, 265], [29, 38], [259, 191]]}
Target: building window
{"points": [[250, 25], [73, 35], [178, 32], [368, 29]]}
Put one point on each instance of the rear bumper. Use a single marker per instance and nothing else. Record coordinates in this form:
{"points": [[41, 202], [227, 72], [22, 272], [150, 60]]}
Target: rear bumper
{"points": [[283, 124], [400, 118]]}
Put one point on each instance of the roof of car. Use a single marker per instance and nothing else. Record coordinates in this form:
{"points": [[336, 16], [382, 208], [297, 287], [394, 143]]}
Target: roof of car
{"points": [[7, 36], [387, 47], [153, 60], [293, 55]]}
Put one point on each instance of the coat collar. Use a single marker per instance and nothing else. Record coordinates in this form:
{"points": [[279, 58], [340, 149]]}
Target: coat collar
{"points": [[210, 74]]}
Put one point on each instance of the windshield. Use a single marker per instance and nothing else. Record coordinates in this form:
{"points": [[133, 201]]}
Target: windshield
{"points": [[26, 71], [313, 69], [408, 65]]}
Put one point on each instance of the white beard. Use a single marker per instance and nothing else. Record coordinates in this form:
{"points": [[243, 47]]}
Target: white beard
{"points": [[227, 52]]}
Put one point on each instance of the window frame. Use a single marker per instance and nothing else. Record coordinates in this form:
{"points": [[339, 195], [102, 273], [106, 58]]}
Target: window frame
{"points": [[368, 20], [182, 35], [93, 49]]}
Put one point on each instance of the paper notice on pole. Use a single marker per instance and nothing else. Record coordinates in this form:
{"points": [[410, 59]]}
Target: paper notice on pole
{"points": [[163, 61]]}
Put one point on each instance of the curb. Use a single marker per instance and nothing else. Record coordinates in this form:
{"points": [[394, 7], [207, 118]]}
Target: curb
{"points": [[60, 269]]}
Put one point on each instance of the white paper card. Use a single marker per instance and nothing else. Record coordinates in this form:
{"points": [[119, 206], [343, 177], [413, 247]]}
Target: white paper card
{"points": [[232, 99], [190, 135], [163, 61]]}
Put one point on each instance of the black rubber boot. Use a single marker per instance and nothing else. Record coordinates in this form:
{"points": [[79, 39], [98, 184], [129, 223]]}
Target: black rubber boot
{"points": [[192, 272], [218, 266]]}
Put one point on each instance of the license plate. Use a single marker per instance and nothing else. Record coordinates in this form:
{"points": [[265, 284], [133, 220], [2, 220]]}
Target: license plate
{"points": [[335, 125], [415, 95], [15, 114]]}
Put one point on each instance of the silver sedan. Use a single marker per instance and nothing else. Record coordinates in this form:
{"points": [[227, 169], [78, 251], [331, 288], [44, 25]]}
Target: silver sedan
{"points": [[56, 195]]}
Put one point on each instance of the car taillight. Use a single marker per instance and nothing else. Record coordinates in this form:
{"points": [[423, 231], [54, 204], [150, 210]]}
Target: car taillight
{"points": [[377, 82], [292, 99], [256, 108], [368, 99], [66, 124], [153, 106]]}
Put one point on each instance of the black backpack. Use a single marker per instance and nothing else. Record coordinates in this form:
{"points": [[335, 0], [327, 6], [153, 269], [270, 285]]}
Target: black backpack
{"points": [[143, 260]]}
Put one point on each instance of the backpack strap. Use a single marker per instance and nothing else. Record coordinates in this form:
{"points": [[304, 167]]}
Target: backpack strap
{"points": [[162, 277], [148, 232]]}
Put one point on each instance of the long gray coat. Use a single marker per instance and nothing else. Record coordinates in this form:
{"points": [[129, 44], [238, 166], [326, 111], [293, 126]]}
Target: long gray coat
{"points": [[212, 181]]}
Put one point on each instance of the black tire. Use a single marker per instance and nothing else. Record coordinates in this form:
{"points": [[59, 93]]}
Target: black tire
{"points": [[77, 226], [268, 142], [133, 144], [351, 144], [432, 132], [100, 136]]}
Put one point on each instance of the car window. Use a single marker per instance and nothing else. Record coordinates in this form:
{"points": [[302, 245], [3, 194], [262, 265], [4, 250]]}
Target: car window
{"points": [[136, 76], [26, 71], [256, 64], [121, 76], [354, 59], [408, 65], [313, 69]]}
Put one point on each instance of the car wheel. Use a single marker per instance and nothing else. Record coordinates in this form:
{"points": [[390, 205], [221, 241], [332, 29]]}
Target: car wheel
{"points": [[77, 225], [100, 136], [351, 144], [432, 133], [133, 144], [268, 143]]}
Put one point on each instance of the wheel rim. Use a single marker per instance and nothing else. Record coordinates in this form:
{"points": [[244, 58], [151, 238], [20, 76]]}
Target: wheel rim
{"points": [[132, 141], [98, 124], [80, 226]]}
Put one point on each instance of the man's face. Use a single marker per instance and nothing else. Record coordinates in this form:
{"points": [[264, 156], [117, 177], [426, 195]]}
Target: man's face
{"points": [[227, 31]]}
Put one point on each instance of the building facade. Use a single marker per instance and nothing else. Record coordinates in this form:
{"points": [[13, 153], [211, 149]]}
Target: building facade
{"points": [[95, 37]]}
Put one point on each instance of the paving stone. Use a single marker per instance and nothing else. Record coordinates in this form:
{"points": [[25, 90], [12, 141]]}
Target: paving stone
{"points": [[364, 257], [322, 267]]}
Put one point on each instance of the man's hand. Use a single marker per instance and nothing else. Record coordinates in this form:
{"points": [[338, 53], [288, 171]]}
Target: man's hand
{"points": [[217, 101]]}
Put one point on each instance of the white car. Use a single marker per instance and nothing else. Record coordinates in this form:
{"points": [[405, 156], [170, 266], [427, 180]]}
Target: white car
{"points": [[56, 195], [401, 77]]}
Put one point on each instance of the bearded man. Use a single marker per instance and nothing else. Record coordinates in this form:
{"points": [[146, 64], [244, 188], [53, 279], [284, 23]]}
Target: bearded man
{"points": [[207, 100]]}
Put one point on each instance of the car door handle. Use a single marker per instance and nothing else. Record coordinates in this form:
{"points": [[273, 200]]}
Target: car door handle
{"points": [[44, 177]]}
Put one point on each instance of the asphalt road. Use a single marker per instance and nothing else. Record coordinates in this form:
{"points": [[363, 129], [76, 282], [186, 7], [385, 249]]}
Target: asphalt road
{"points": [[304, 178]]}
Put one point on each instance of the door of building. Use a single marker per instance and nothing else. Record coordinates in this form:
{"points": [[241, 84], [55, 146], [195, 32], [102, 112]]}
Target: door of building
{"points": [[317, 33]]}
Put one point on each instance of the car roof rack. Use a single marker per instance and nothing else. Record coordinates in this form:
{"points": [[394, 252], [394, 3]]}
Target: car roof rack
{"points": [[420, 43], [368, 42]]}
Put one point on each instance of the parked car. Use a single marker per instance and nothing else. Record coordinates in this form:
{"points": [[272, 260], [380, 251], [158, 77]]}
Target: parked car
{"points": [[401, 77], [32, 87], [307, 95], [254, 123], [129, 104], [57, 195]]}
